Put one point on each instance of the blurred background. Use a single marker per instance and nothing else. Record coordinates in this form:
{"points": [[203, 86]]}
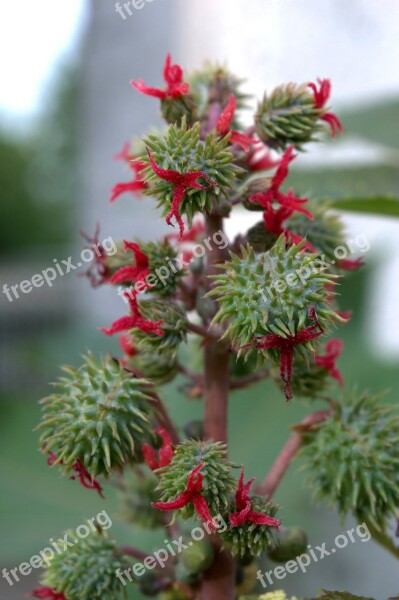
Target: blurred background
{"points": [[66, 107]]}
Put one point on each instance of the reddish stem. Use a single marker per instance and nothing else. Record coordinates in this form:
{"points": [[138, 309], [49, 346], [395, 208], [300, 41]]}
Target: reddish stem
{"points": [[288, 452]]}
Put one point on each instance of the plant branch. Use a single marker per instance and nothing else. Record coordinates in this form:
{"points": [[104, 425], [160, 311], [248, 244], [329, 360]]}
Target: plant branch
{"points": [[206, 332], [242, 382], [381, 538], [288, 452], [164, 418]]}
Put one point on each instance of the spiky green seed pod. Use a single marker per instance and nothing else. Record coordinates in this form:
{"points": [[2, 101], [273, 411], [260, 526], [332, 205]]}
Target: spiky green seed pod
{"points": [[218, 481], [174, 327], [138, 492], [158, 368], [86, 570], [271, 293], [250, 539], [352, 458], [161, 254], [326, 232], [290, 543], [99, 414], [215, 83], [181, 149], [174, 110], [260, 239], [198, 556], [288, 116], [308, 379]]}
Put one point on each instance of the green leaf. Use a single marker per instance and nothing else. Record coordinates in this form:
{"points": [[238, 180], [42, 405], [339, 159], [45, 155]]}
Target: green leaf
{"points": [[376, 205]]}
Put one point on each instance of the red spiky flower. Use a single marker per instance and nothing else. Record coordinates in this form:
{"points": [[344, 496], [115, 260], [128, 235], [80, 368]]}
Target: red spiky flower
{"points": [[181, 183], [321, 96], [192, 494], [327, 361], [244, 513], [350, 265], [46, 592], [274, 219], [273, 194], [98, 272], [224, 124], [137, 185], [127, 345], [286, 345], [173, 76], [259, 157], [83, 475], [165, 453], [136, 273], [135, 319]]}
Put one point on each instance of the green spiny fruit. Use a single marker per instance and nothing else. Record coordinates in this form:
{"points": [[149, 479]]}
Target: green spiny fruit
{"points": [[198, 556], [139, 491], [250, 539], [260, 238], [215, 83], [182, 150], [174, 327], [86, 570], [158, 368], [290, 542], [218, 481], [264, 293], [326, 232], [352, 458], [99, 414], [161, 254], [308, 379], [288, 116], [174, 110]]}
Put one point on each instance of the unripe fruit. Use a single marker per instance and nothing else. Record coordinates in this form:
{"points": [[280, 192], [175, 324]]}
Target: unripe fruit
{"points": [[198, 556], [290, 543]]}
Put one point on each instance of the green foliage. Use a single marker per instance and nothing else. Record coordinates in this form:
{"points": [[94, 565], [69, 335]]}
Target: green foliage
{"points": [[99, 414], [86, 571], [352, 458], [374, 205], [218, 481]]}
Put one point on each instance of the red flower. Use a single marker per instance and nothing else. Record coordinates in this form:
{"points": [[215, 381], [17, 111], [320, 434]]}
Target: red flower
{"points": [[194, 234], [259, 157], [46, 592], [273, 193], [139, 272], [165, 453], [98, 271], [192, 494], [173, 76], [286, 346], [137, 186], [274, 223], [181, 182], [85, 478], [350, 265], [243, 504], [224, 123], [133, 320], [321, 96], [333, 350], [127, 345]]}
